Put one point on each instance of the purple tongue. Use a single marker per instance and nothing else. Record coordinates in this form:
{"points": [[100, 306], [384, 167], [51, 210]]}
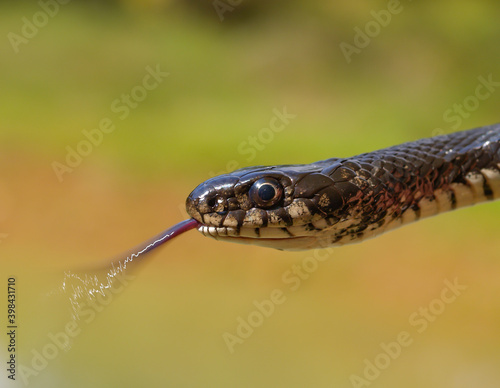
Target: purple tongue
{"points": [[85, 286], [154, 242], [164, 236]]}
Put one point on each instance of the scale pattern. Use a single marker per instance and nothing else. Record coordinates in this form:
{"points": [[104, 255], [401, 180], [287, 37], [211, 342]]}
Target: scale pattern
{"points": [[338, 201]]}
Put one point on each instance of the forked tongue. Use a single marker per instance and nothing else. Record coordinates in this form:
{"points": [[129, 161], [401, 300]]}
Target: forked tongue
{"points": [[86, 286]]}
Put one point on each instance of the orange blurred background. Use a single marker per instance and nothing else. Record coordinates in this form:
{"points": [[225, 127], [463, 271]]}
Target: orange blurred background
{"points": [[177, 320]]}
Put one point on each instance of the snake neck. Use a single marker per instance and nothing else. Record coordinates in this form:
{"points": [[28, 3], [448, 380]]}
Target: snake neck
{"points": [[416, 180]]}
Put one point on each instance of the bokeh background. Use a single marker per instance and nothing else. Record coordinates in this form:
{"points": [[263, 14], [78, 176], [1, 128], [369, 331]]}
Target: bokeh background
{"points": [[231, 65]]}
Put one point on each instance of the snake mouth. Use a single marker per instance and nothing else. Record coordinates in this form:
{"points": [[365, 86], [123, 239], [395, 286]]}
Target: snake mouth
{"points": [[245, 232], [278, 238]]}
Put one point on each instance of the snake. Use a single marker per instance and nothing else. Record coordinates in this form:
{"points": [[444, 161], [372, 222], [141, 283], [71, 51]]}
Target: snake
{"points": [[330, 202], [339, 201]]}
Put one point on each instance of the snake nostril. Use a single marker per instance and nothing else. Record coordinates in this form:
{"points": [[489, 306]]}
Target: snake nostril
{"points": [[212, 201]]}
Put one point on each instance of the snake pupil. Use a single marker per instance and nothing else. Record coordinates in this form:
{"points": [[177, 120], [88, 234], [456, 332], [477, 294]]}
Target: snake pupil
{"points": [[266, 192]]}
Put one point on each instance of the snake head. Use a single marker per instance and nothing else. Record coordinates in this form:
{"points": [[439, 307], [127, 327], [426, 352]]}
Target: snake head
{"points": [[283, 207]]}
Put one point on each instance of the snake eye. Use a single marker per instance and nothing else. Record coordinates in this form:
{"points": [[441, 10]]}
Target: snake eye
{"points": [[266, 192]]}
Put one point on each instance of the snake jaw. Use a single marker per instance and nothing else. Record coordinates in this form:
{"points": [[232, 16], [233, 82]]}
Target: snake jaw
{"points": [[277, 238]]}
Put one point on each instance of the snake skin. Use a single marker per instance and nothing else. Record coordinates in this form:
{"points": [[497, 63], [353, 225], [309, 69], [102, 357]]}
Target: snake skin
{"points": [[344, 200]]}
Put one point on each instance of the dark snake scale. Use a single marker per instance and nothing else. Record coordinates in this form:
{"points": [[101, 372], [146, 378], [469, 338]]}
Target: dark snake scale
{"points": [[344, 200]]}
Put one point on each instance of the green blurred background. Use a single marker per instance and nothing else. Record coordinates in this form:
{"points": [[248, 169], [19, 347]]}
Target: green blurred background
{"points": [[230, 65]]}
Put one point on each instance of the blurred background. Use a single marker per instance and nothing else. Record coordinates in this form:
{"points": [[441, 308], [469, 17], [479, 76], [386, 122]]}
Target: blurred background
{"points": [[112, 112]]}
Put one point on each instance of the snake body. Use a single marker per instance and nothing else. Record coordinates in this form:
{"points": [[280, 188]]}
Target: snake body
{"points": [[345, 200]]}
